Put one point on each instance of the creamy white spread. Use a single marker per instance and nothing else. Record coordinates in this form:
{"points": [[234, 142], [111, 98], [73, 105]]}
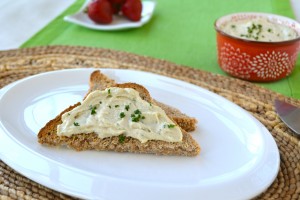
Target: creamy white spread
{"points": [[119, 112], [259, 29]]}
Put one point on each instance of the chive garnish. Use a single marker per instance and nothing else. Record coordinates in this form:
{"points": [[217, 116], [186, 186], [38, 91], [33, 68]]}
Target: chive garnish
{"points": [[109, 94], [76, 124], [122, 115], [135, 119], [253, 31], [137, 112], [121, 138], [169, 125], [93, 109], [136, 116]]}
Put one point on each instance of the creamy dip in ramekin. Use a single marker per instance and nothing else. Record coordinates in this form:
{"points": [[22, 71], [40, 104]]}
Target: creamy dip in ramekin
{"points": [[257, 46], [259, 29]]}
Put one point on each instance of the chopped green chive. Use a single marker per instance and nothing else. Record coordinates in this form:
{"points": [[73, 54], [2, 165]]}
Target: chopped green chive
{"points": [[122, 138], [250, 30], [122, 115], [169, 125], [116, 106], [93, 109], [127, 107], [253, 31], [76, 124], [137, 112], [109, 94], [135, 119], [136, 116]]}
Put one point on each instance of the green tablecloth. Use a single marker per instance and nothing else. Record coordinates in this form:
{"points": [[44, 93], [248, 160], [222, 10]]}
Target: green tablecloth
{"points": [[180, 31]]}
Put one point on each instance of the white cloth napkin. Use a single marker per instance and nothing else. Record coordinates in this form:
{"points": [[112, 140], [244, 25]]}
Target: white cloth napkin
{"points": [[21, 19]]}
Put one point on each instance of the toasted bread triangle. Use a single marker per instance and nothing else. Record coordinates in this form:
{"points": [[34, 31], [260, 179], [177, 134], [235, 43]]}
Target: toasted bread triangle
{"points": [[48, 136]]}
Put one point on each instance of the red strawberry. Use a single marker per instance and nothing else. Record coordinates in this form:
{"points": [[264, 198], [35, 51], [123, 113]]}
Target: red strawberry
{"points": [[116, 5], [132, 9], [100, 11]]}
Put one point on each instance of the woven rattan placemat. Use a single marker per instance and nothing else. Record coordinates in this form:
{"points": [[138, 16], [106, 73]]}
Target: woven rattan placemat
{"points": [[17, 64]]}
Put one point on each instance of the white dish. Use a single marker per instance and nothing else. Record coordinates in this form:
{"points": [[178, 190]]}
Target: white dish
{"points": [[239, 158], [119, 22]]}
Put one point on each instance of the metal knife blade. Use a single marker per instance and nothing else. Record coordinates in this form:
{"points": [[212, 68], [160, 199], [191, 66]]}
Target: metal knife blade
{"points": [[289, 114]]}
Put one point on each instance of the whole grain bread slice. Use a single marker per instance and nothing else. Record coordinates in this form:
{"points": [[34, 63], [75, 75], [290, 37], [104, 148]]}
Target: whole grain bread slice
{"points": [[99, 81], [48, 136]]}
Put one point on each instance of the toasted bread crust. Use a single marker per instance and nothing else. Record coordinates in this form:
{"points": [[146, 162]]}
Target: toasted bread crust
{"points": [[185, 122], [48, 136], [99, 81]]}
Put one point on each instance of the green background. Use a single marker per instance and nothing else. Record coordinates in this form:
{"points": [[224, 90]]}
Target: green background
{"points": [[179, 31]]}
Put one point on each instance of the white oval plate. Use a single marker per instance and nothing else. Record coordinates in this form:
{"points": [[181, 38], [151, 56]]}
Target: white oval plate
{"points": [[119, 22], [239, 157]]}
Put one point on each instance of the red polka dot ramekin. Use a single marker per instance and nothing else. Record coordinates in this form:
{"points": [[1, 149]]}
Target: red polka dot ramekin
{"points": [[255, 60]]}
